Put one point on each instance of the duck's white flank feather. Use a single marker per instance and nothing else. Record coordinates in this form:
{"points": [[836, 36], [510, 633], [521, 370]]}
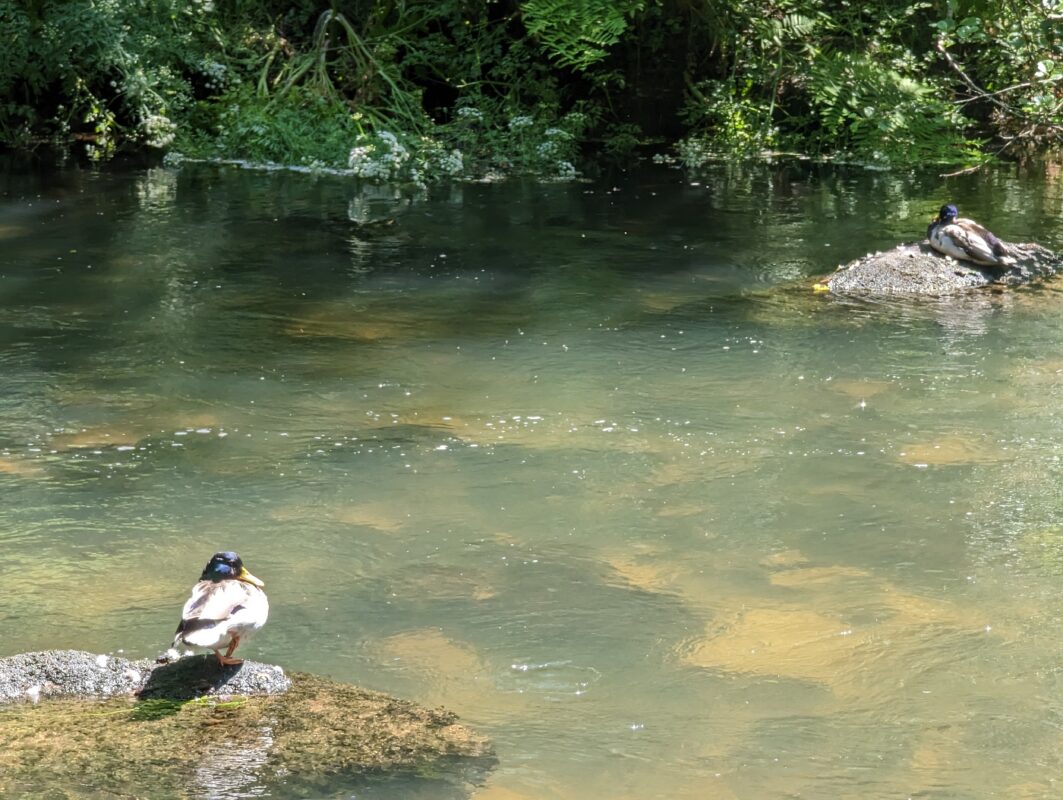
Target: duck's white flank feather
{"points": [[217, 610]]}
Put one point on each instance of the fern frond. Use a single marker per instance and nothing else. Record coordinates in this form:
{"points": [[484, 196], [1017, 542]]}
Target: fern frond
{"points": [[876, 112], [578, 33]]}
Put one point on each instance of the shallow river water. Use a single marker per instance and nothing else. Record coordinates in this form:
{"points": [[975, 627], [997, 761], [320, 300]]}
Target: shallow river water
{"points": [[586, 463]]}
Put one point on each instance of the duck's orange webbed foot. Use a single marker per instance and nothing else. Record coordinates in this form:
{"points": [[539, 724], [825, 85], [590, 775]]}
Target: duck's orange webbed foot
{"points": [[227, 660]]}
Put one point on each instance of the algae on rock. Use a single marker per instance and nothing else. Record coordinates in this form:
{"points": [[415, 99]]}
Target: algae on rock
{"points": [[319, 736]]}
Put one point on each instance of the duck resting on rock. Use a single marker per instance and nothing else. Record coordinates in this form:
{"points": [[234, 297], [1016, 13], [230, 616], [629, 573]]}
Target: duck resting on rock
{"points": [[227, 606], [966, 240]]}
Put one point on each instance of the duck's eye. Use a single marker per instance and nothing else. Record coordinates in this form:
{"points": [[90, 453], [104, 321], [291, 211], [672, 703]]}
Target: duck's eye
{"points": [[222, 570]]}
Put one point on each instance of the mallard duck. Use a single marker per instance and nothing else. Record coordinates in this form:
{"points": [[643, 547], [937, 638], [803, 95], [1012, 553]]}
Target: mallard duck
{"points": [[226, 607], [967, 240]]}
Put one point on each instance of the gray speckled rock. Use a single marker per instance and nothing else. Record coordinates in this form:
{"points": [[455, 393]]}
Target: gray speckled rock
{"points": [[916, 269], [75, 673]]}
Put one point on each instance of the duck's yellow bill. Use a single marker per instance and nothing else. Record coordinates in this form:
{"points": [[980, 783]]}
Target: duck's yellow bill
{"points": [[249, 578], [820, 287]]}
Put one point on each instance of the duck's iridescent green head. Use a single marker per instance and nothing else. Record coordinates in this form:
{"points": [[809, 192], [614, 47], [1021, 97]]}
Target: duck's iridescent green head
{"points": [[227, 565]]}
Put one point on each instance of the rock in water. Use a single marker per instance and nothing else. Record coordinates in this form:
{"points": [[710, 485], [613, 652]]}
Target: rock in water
{"points": [[75, 673], [113, 727], [916, 269]]}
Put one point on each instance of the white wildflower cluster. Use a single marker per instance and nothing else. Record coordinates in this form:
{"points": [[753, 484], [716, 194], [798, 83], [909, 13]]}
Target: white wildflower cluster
{"points": [[695, 151], [547, 149], [215, 75], [551, 153], [470, 113], [431, 161], [158, 130], [451, 163], [378, 157], [664, 158], [566, 171], [381, 158], [520, 122], [575, 120], [390, 140]]}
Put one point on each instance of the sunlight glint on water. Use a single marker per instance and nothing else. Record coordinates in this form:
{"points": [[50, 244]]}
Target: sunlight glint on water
{"points": [[574, 461]]}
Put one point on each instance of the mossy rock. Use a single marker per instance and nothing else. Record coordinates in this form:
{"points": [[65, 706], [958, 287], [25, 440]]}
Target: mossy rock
{"points": [[319, 738]]}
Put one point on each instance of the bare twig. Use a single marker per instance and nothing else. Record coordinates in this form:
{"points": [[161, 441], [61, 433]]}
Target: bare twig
{"points": [[964, 171], [974, 87], [1024, 85], [1033, 127]]}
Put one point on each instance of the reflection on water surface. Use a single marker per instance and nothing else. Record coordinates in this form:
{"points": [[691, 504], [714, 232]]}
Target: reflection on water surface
{"points": [[577, 461]]}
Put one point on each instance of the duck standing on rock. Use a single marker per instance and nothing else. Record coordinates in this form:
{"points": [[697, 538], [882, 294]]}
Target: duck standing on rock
{"points": [[965, 239], [227, 606]]}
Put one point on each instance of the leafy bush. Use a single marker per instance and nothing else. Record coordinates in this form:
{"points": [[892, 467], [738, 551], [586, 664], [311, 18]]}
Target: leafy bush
{"points": [[298, 127], [729, 121], [855, 84], [1006, 63], [522, 144], [517, 86], [99, 69], [881, 116]]}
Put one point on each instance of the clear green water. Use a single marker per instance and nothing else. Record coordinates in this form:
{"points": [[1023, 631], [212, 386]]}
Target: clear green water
{"points": [[576, 461]]}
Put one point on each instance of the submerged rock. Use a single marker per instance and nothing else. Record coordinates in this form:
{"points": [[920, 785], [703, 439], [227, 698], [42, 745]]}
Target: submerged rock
{"points": [[111, 726], [917, 269]]}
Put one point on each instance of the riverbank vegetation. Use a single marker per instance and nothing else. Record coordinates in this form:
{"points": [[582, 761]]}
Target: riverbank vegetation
{"points": [[422, 89]]}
